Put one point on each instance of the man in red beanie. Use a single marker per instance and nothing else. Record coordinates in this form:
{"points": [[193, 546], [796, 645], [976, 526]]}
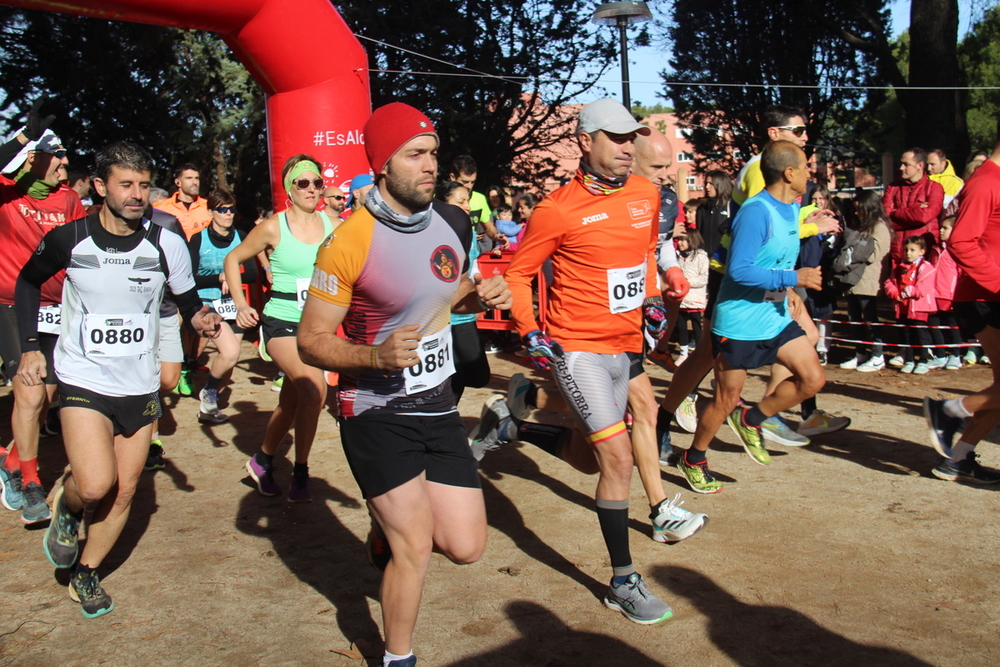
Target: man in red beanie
{"points": [[392, 274]]}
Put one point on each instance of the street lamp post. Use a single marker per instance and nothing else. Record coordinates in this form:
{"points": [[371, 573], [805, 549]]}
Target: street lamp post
{"points": [[623, 14]]}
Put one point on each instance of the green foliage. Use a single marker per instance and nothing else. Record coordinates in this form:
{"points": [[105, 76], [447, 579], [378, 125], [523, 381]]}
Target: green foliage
{"points": [[778, 42], [180, 94], [979, 59], [643, 111], [494, 120]]}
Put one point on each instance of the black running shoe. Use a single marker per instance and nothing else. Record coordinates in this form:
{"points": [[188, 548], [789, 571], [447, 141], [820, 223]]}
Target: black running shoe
{"points": [[154, 460], [85, 588], [377, 548], [967, 470], [61, 543]]}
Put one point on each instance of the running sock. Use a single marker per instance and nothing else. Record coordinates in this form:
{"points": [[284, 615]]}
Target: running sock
{"points": [[300, 470], [82, 569], [664, 418], [531, 396], [694, 456], [389, 657], [29, 471], [809, 406], [754, 417], [961, 450], [613, 517], [12, 463], [546, 437], [263, 459], [954, 408], [213, 382]]}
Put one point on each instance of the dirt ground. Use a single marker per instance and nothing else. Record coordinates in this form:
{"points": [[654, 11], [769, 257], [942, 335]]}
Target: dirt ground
{"points": [[846, 552]]}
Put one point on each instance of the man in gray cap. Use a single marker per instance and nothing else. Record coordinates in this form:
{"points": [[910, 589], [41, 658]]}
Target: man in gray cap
{"points": [[600, 231], [32, 202]]}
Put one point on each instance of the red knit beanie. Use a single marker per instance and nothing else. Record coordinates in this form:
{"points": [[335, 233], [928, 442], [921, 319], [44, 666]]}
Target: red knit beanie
{"points": [[389, 128]]}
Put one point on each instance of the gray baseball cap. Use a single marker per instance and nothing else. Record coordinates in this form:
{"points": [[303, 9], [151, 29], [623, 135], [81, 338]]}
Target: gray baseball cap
{"points": [[608, 115]]}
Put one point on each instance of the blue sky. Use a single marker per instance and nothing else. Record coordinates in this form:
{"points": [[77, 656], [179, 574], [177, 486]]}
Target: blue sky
{"points": [[645, 64]]}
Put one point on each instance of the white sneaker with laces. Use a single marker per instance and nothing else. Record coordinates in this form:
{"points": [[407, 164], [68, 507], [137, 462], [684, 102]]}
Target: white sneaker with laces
{"points": [[873, 364], [897, 361], [687, 413], [673, 523], [852, 363]]}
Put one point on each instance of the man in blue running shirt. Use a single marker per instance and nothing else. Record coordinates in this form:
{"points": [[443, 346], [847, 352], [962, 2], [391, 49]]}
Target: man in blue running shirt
{"points": [[753, 324]]}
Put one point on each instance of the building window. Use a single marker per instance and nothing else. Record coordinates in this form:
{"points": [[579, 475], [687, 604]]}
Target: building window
{"points": [[692, 183], [681, 133], [685, 157]]}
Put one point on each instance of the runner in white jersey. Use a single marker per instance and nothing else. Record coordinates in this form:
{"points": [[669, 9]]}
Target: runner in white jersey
{"points": [[118, 266]]}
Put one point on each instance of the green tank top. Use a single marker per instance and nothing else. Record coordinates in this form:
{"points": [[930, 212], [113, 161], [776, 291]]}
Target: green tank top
{"points": [[291, 270]]}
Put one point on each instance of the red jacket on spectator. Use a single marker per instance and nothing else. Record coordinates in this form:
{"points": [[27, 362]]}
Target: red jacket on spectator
{"points": [[945, 276], [903, 203], [921, 303]]}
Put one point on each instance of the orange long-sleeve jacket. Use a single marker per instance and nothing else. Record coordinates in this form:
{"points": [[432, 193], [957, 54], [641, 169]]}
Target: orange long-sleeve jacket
{"points": [[604, 265]]}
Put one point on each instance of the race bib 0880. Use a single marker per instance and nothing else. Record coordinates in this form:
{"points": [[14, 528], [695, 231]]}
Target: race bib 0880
{"points": [[117, 335]]}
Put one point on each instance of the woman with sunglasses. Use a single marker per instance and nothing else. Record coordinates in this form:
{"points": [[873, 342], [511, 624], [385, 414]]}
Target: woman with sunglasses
{"points": [[291, 239], [209, 248]]}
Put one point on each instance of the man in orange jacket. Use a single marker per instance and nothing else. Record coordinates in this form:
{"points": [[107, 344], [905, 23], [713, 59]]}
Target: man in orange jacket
{"points": [[186, 205]]}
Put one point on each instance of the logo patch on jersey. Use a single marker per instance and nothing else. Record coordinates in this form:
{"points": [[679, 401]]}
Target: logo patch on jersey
{"points": [[125, 261], [639, 210], [139, 280], [40, 248], [595, 218], [325, 282], [444, 263]]}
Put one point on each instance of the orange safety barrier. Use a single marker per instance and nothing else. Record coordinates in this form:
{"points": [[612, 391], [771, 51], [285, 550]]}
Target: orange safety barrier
{"points": [[499, 320]]}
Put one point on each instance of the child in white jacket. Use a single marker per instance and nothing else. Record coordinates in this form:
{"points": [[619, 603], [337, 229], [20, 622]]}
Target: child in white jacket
{"points": [[693, 260]]}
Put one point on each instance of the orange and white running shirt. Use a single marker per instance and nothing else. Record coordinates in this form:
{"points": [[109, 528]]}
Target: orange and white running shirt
{"points": [[387, 279], [603, 250]]}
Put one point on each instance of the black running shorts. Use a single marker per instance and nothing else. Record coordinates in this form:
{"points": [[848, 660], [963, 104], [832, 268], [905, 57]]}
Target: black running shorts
{"points": [[750, 354], [388, 450], [974, 316], [127, 413], [272, 327]]}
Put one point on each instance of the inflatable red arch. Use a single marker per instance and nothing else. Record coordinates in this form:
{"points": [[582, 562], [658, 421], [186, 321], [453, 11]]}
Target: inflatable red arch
{"points": [[309, 63]]}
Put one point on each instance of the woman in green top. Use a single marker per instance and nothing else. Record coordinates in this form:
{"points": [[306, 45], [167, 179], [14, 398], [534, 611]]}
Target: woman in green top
{"points": [[291, 239]]}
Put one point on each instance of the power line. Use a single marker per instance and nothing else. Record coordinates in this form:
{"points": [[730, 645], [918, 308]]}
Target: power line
{"points": [[516, 79]]}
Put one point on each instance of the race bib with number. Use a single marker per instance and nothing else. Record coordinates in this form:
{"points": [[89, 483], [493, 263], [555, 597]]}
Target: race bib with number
{"points": [[225, 308], [626, 288], [302, 291], [435, 363], [50, 319], [116, 335]]}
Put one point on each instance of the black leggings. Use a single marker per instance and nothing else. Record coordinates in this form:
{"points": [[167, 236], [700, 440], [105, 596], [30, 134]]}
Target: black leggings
{"points": [[862, 308], [472, 368], [694, 317], [917, 337], [945, 318]]}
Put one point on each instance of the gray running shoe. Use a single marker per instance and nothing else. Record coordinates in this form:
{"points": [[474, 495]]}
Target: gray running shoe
{"points": [[85, 588], [941, 427], [35, 508], [517, 390], [495, 427], [776, 430], [61, 541], [637, 602], [11, 494]]}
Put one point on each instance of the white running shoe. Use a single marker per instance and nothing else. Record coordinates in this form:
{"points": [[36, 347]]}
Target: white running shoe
{"points": [[954, 363], [852, 363], [517, 389], [936, 363], [687, 413], [820, 422], [873, 364], [777, 431], [897, 361], [673, 523]]}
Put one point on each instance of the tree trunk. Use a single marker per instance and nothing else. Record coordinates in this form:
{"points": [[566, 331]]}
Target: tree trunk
{"points": [[934, 118]]}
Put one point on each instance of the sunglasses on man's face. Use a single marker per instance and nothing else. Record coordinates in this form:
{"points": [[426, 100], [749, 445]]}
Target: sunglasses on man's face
{"points": [[225, 209], [797, 130], [337, 197], [60, 154], [304, 183]]}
